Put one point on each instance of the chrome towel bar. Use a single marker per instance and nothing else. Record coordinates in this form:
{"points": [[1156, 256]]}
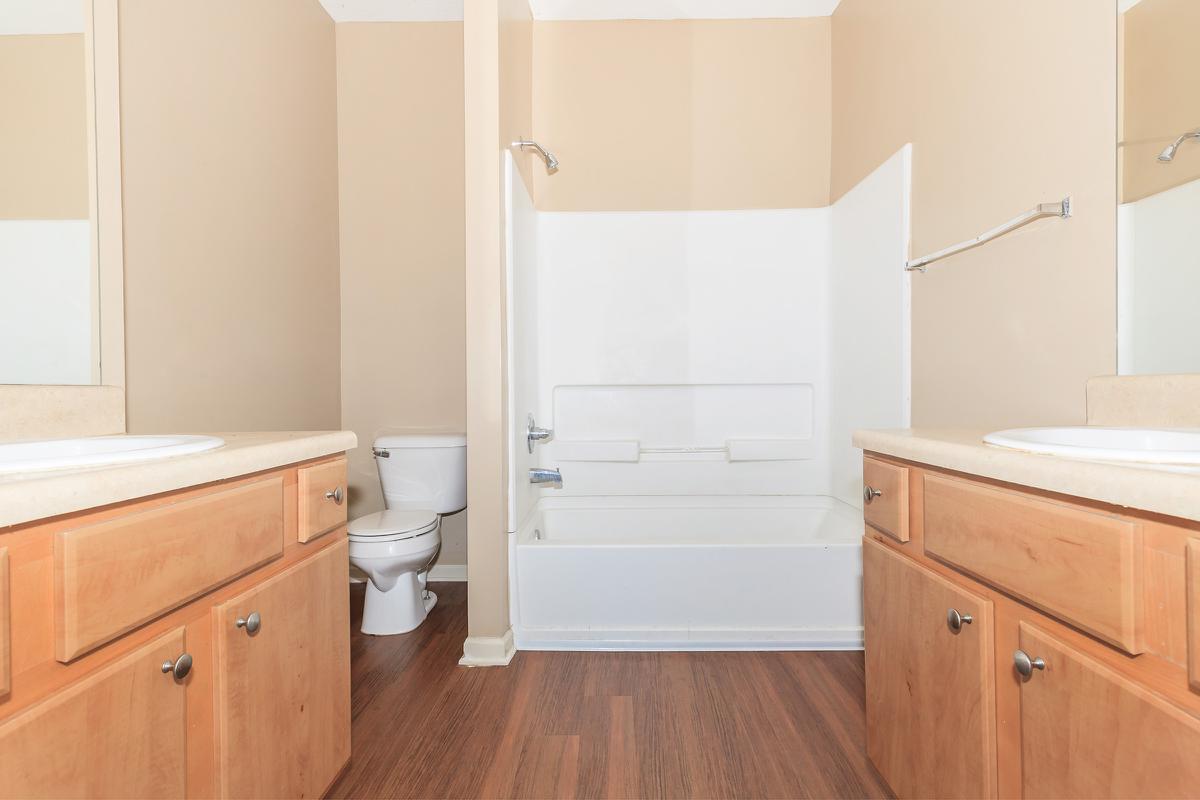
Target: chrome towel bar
{"points": [[1061, 209]]}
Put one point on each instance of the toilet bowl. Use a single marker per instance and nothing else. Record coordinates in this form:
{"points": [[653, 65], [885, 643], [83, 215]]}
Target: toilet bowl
{"points": [[422, 477], [394, 549]]}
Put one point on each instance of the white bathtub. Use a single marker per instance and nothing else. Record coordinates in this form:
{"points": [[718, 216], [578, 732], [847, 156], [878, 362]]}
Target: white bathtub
{"points": [[695, 573]]}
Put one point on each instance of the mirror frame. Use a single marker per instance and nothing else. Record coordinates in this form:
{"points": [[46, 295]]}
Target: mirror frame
{"points": [[104, 183]]}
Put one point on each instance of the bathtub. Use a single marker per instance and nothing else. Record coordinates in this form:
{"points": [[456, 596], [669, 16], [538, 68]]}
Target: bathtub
{"points": [[688, 573]]}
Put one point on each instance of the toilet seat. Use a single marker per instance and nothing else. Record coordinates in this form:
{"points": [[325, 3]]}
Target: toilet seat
{"points": [[393, 525]]}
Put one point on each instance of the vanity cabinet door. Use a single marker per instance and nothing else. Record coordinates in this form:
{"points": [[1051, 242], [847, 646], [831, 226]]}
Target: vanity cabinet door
{"points": [[1089, 732], [283, 681], [118, 732], [930, 680]]}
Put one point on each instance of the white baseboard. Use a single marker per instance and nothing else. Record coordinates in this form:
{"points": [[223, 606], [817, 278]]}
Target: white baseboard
{"points": [[448, 572], [488, 651]]}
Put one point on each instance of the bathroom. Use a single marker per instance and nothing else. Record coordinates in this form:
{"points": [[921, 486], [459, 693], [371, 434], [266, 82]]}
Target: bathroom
{"points": [[556, 398]]}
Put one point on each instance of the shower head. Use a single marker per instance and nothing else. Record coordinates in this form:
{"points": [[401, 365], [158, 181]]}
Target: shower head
{"points": [[1168, 153], [547, 156]]}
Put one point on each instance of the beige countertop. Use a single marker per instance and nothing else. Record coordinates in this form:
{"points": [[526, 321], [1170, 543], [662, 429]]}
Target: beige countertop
{"points": [[1143, 487], [25, 497]]}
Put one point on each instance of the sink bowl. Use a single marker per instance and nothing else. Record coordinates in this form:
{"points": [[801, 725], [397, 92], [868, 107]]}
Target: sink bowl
{"points": [[1143, 445], [94, 451]]}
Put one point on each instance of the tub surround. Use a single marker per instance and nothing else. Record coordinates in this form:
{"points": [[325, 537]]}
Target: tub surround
{"points": [[1143, 487], [25, 497]]}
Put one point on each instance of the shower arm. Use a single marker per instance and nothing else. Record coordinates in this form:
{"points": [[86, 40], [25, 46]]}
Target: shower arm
{"points": [[547, 156]]}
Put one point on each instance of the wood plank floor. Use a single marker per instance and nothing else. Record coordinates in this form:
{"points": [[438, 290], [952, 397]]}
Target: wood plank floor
{"points": [[599, 725]]}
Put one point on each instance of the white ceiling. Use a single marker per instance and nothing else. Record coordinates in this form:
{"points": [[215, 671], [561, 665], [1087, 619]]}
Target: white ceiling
{"points": [[680, 9], [441, 10], [40, 17]]}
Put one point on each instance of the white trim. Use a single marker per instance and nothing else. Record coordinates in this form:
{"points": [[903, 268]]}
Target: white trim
{"points": [[394, 10], [488, 651], [448, 572], [680, 9], [710, 639], [41, 17]]}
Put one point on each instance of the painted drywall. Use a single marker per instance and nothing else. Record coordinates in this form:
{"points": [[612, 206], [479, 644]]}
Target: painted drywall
{"points": [[484, 75], [1160, 67], [400, 143], [870, 308], [523, 340], [1008, 333], [1159, 277], [683, 115], [43, 141], [231, 223]]}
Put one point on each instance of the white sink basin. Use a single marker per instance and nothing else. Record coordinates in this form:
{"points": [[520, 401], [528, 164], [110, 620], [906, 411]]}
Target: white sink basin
{"points": [[96, 451], [1143, 445]]}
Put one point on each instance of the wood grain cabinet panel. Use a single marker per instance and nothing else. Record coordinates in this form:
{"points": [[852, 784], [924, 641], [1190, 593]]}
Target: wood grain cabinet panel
{"points": [[887, 508], [322, 490], [1088, 732], [1193, 613], [117, 733], [930, 698], [113, 576], [283, 691], [1081, 566], [5, 625]]}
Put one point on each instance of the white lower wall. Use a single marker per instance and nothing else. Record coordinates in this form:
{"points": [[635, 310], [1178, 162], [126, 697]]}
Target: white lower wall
{"points": [[870, 312], [1158, 279], [47, 264]]}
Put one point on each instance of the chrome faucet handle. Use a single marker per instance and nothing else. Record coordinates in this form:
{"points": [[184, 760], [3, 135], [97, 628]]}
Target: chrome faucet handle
{"points": [[535, 434]]}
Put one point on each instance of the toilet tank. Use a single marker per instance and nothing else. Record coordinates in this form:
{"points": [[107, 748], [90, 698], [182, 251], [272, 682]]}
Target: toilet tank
{"points": [[423, 471]]}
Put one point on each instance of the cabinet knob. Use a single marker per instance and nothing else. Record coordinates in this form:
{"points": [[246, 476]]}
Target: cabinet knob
{"points": [[180, 667], [870, 493], [251, 623], [335, 495], [956, 620], [1026, 665]]}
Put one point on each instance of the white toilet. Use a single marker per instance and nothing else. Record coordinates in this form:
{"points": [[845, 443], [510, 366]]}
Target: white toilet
{"points": [[423, 477]]}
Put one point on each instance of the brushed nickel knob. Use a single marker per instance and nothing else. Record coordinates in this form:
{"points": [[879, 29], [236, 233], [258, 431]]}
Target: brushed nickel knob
{"points": [[180, 667], [251, 623], [335, 495], [956, 620], [1026, 665], [870, 493]]}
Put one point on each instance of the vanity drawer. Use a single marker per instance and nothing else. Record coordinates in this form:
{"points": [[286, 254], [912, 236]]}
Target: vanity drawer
{"points": [[322, 490], [113, 576], [885, 497], [1081, 566]]}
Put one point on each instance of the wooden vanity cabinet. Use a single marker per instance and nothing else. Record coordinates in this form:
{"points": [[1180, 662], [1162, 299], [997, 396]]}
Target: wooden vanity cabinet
{"points": [[256, 714], [283, 690], [1077, 675], [931, 639]]}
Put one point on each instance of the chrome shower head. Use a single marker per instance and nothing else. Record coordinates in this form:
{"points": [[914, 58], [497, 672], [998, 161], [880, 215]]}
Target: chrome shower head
{"points": [[1168, 153], [547, 156]]}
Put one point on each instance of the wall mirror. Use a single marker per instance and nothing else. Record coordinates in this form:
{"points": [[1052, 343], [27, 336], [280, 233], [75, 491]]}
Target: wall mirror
{"points": [[1158, 168], [60, 259]]}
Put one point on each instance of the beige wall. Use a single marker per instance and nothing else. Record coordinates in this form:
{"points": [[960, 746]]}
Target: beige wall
{"points": [[43, 139], [400, 144], [669, 115], [1161, 94], [1006, 104], [231, 220]]}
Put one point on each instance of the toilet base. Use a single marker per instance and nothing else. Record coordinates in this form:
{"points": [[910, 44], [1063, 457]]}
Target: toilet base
{"points": [[398, 610]]}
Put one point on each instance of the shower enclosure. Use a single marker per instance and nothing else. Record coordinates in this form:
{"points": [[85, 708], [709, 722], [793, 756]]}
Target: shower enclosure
{"points": [[702, 372]]}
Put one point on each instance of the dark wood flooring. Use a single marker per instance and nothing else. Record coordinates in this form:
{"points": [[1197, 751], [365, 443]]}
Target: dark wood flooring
{"points": [[599, 725]]}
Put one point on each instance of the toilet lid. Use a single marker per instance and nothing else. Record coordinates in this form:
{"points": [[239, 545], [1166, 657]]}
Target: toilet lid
{"points": [[394, 523]]}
